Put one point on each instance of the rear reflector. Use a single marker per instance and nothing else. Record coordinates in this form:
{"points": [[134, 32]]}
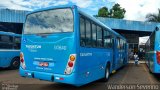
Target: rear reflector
{"points": [[59, 78]]}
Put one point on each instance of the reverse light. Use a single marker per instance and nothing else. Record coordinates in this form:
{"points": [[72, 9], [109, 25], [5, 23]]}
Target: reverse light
{"points": [[158, 57], [21, 55]]}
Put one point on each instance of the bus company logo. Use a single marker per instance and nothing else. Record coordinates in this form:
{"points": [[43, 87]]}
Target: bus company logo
{"points": [[60, 47], [33, 46], [24, 40]]}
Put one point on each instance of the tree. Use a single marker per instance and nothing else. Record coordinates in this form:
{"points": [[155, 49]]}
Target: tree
{"points": [[153, 17], [115, 12], [103, 12]]}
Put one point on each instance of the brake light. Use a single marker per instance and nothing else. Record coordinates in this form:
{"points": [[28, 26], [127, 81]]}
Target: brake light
{"points": [[70, 64], [22, 61], [158, 57]]}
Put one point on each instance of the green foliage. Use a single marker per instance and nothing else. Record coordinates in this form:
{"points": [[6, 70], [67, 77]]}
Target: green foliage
{"points": [[115, 12], [103, 12], [153, 17]]}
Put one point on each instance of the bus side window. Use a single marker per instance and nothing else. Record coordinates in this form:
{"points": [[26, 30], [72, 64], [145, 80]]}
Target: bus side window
{"points": [[17, 41], [88, 34], [118, 43], [94, 35], [121, 44], [107, 39], [99, 36], [82, 31], [6, 42]]}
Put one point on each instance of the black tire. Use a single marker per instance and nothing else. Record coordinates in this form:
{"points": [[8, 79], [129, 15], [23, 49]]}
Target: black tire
{"points": [[15, 63], [107, 73]]}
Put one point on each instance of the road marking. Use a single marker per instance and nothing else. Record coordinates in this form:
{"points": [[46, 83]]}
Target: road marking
{"points": [[150, 79]]}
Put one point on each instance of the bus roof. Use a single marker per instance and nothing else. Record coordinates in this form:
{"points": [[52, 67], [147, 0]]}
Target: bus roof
{"points": [[81, 12], [9, 33]]}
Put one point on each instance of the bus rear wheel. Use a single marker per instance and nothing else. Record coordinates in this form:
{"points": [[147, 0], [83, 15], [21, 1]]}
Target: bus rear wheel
{"points": [[107, 74], [15, 63]]}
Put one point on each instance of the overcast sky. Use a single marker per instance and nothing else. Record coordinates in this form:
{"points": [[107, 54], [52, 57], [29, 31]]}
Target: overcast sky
{"points": [[135, 9]]}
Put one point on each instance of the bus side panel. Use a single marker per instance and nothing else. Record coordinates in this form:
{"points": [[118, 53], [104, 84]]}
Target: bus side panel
{"points": [[157, 48], [6, 57], [92, 63]]}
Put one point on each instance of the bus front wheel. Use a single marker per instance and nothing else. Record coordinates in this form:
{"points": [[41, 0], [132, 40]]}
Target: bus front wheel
{"points": [[15, 63]]}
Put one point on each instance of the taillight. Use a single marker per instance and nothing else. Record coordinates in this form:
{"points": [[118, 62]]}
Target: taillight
{"points": [[70, 64], [158, 57], [22, 61], [72, 57]]}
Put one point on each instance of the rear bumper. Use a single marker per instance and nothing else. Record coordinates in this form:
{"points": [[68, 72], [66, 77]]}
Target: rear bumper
{"points": [[68, 79]]}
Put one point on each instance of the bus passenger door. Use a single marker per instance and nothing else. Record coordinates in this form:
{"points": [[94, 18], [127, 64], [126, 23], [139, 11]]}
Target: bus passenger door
{"points": [[114, 50], [117, 53]]}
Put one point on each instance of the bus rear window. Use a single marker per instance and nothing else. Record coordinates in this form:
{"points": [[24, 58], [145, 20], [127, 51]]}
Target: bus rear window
{"points": [[50, 21]]}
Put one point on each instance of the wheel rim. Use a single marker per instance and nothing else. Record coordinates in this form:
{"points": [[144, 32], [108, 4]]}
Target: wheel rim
{"points": [[15, 63], [107, 73]]}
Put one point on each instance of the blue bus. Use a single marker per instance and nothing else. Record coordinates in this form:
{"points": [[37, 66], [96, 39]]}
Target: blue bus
{"points": [[9, 50], [63, 44], [152, 55]]}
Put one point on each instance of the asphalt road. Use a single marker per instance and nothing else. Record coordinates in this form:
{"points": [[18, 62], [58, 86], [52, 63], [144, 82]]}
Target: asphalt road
{"points": [[129, 74]]}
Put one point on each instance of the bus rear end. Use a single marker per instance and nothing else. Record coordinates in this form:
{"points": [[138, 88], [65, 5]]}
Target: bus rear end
{"points": [[157, 50], [48, 46]]}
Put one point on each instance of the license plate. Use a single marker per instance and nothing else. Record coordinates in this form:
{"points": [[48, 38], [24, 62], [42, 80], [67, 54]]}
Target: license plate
{"points": [[45, 64]]}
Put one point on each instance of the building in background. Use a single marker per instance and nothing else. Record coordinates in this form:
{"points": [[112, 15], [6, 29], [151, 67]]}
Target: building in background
{"points": [[12, 20]]}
